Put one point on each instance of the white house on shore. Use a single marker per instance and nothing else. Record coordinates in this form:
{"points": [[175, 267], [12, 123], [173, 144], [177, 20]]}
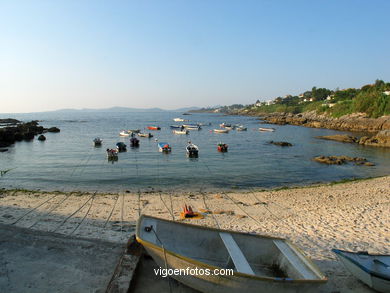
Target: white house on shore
{"points": [[387, 93]]}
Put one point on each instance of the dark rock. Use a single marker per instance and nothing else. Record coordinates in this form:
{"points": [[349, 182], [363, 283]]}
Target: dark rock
{"points": [[3, 150], [53, 129], [42, 137], [339, 160], [20, 131], [281, 143]]}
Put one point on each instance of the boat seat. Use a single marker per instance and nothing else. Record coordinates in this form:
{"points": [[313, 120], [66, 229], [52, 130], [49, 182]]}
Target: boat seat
{"points": [[294, 259], [238, 258]]}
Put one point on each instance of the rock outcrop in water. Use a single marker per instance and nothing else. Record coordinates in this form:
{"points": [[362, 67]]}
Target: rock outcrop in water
{"points": [[379, 127], [281, 143], [19, 131], [339, 160]]}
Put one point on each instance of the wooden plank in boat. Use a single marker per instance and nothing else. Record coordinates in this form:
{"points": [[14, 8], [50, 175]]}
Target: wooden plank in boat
{"points": [[293, 259], [236, 254]]}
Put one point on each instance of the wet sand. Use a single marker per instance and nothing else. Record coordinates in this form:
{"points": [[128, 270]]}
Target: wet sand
{"points": [[352, 216]]}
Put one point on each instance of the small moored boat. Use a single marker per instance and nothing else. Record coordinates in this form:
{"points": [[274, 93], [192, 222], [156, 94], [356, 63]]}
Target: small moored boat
{"points": [[180, 131], [179, 119], [241, 128], [221, 130], [134, 131], [121, 147], [259, 263], [112, 154], [164, 147], [134, 142], [222, 147], [124, 133], [192, 150], [223, 125], [176, 126], [264, 129], [97, 141], [372, 269], [194, 128], [153, 128], [149, 135]]}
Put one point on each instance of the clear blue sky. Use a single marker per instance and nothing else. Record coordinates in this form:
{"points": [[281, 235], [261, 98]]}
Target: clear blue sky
{"points": [[170, 54]]}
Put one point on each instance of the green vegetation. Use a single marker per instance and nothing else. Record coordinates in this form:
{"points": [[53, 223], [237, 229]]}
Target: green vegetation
{"points": [[372, 99]]}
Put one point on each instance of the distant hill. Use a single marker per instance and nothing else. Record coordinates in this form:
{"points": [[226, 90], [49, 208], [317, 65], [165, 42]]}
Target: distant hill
{"points": [[125, 109]]}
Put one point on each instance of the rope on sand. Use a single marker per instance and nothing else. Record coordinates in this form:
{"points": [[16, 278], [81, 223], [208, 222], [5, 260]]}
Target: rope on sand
{"points": [[75, 212], [86, 214], [33, 209], [111, 212]]}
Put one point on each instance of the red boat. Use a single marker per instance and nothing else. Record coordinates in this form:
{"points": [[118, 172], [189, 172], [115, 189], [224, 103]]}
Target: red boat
{"points": [[153, 128], [222, 147]]}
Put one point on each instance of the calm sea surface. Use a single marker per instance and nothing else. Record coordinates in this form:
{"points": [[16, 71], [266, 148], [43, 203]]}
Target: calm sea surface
{"points": [[69, 161]]}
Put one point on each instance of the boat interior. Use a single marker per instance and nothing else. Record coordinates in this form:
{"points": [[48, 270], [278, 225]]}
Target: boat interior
{"points": [[245, 253]]}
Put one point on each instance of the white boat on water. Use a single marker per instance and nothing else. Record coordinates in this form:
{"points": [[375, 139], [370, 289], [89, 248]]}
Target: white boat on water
{"points": [[221, 130], [266, 129], [374, 270], [259, 263], [124, 133], [192, 150], [180, 131], [179, 119]]}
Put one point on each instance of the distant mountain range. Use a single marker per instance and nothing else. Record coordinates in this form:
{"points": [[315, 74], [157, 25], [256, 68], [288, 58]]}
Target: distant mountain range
{"points": [[125, 109]]}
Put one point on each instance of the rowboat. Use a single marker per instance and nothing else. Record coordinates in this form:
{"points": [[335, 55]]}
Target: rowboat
{"points": [[176, 126], [190, 125], [149, 135], [193, 127], [124, 133], [267, 129], [134, 142], [112, 154], [121, 147], [372, 269], [259, 263], [192, 150], [164, 147], [178, 119], [97, 141], [153, 128], [180, 131], [223, 125], [221, 130], [241, 128], [222, 147]]}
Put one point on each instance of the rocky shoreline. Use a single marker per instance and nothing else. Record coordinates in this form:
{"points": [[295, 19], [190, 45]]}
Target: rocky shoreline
{"points": [[15, 130], [377, 129]]}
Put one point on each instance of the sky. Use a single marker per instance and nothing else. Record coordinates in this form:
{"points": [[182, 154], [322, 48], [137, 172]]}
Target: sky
{"points": [[180, 53]]}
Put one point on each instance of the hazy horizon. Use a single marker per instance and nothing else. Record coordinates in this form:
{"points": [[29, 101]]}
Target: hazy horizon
{"points": [[176, 54]]}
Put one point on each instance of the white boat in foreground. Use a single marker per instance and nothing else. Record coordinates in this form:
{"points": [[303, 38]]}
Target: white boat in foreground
{"points": [[374, 270], [267, 129], [259, 263]]}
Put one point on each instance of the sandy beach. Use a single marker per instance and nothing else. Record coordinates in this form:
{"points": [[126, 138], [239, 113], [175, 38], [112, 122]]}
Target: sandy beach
{"points": [[352, 216]]}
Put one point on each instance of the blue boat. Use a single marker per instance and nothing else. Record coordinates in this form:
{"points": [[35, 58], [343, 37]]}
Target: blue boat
{"points": [[372, 269], [176, 126], [164, 147]]}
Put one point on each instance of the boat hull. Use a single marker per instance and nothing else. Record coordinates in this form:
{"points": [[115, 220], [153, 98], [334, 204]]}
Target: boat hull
{"points": [[376, 282], [196, 269]]}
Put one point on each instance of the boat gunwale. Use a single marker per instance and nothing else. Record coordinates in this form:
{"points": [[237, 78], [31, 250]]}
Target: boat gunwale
{"points": [[312, 266], [342, 253]]}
